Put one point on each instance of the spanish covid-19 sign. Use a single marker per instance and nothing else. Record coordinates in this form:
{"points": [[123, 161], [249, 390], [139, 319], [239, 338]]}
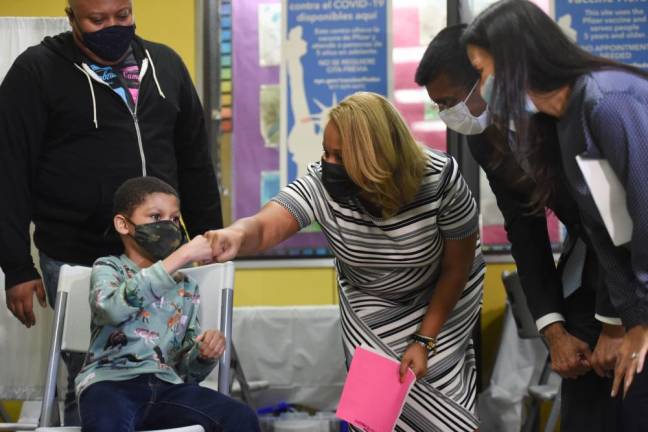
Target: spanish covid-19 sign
{"points": [[616, 29], [330, 49]]}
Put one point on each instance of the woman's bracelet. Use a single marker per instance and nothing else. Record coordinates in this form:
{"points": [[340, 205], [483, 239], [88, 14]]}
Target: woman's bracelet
{"points": [[430, 343]]}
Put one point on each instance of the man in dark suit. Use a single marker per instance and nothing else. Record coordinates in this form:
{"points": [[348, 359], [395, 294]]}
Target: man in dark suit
{"points": [[569, 301]]}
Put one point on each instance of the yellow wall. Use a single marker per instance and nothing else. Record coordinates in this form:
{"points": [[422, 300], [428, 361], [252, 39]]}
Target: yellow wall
{"points": [[280, 287], [171, 22]]}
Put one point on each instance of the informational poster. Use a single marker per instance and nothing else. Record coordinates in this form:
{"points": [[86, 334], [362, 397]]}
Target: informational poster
{"points": [[255, 141], [269, 186], [615, 29], [269, 114], [269, 34], [330, 49]]}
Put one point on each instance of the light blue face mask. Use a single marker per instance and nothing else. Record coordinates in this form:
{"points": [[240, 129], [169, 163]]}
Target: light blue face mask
{"points": [[486, 92], [529, 106]]}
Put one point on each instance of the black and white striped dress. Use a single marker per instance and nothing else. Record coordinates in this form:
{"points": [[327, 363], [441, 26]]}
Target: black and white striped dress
{"points": [[387, 269]]}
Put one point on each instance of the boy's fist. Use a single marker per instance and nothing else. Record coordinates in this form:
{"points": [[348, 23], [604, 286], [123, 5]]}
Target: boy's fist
{"points": [[198, 249]]}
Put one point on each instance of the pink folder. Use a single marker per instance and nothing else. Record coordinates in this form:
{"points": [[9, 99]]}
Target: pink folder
{"points": [[373, 396]]}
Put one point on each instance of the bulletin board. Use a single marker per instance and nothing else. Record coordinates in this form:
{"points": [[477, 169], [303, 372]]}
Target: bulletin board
{"points": [[255, 162], [255, 119], [252, 95]]}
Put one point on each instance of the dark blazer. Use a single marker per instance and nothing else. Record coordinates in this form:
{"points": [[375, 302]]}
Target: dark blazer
{"points": [[527, 232], [607, 118]]}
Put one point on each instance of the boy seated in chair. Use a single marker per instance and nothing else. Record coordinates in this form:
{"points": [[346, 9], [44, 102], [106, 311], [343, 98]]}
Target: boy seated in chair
{"points": [[147, 353]]}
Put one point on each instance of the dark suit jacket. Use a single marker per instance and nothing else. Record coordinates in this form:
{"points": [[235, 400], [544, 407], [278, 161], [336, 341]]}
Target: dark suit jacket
{"points": [[530, 244], [607, 118]]}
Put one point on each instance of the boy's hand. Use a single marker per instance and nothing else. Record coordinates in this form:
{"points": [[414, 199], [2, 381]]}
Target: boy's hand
{"points": [[198, 249], [211, 344]]}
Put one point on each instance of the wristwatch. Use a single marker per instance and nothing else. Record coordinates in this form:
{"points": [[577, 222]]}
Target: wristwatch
{"points": [[430, 343]]}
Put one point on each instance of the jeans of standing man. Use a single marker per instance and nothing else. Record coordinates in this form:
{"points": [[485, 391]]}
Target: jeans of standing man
{"points": [[50, 269], [146, 402]]}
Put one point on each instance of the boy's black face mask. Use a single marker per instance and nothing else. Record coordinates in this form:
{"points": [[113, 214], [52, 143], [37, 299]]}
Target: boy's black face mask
{"points": [[158, 239], [337, 182]]}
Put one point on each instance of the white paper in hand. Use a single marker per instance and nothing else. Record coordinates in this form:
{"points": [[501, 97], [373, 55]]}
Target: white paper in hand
{"points": [[609, 197]]}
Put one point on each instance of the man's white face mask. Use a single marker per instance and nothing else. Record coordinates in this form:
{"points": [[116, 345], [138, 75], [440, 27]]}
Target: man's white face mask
{"points": [[460, 119]]}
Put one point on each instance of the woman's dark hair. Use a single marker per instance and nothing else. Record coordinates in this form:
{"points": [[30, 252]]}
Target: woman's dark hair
{"points": [[133, 192], [530, 52]]}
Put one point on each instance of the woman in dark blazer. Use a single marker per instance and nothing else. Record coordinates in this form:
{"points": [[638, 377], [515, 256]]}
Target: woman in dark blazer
{"points": [[530, 70]]}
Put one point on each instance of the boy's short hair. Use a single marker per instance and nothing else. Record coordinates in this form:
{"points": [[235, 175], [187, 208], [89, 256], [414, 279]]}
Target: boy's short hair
{"points": [[134, 192], [447, 55]]}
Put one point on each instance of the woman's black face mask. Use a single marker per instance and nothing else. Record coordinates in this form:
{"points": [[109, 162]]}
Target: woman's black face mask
{"points": [[337, 182]]}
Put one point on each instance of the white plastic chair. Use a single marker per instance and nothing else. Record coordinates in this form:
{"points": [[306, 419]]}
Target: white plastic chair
{"points": [[71, 328]]}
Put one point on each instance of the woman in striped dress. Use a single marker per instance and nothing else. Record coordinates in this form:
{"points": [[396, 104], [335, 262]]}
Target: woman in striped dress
{"points": [[402, 225]]}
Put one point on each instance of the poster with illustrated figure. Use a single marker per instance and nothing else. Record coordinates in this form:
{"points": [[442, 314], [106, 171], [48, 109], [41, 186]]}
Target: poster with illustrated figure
{"points": [[330, 49], [616, 29], [255, 55]]}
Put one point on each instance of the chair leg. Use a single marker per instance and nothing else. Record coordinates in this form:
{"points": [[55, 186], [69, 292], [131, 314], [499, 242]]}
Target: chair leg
{"points": [[224, 363], [532, 420], [554, 414], [246, 394], [49, 402]]}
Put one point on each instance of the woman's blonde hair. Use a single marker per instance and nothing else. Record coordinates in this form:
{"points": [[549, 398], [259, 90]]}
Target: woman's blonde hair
{"points": [[378, 151]]}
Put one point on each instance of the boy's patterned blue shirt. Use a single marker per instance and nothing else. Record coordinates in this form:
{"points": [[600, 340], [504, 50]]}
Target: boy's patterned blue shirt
{"points": [[143, 321]]}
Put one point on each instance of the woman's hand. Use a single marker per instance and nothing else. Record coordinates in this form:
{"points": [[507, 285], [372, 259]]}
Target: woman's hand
{"points": [[607, 347], [225, 243], [211, 344], [630, 358], [415, 358], [254, 234]]}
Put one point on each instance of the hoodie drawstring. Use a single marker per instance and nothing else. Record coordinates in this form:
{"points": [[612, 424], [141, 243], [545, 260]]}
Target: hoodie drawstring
{"points": [[157, 83], [94, 100]]}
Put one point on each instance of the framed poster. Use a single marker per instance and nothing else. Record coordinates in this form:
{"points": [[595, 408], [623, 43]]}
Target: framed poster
{"points": [[330, 49], [617, 30]]}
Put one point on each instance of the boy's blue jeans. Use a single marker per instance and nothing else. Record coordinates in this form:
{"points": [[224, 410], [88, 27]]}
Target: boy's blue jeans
{"points": [[146, 402]]}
